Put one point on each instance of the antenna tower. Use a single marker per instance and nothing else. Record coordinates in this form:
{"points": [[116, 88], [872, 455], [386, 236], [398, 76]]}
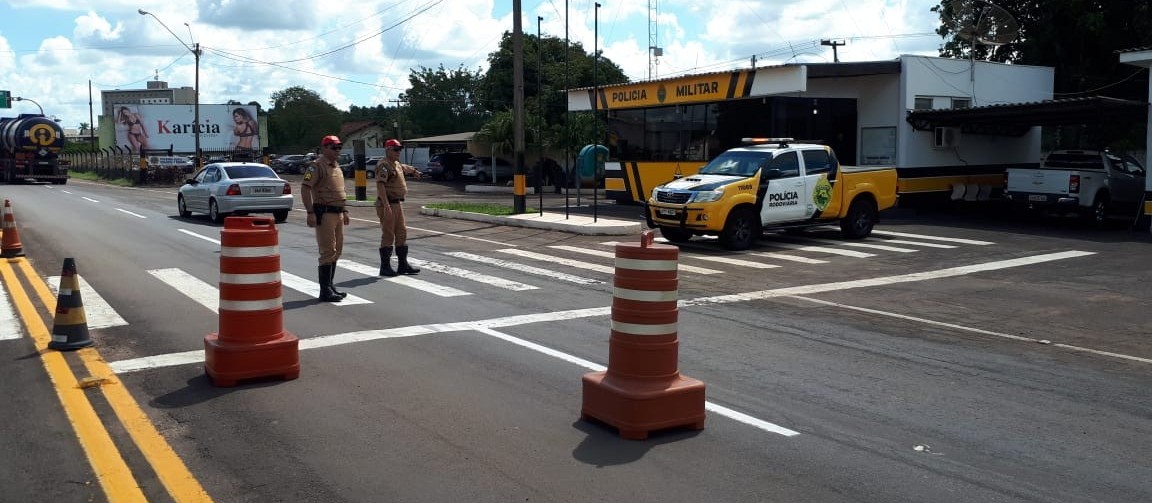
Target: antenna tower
{"points": [[654, 51]]}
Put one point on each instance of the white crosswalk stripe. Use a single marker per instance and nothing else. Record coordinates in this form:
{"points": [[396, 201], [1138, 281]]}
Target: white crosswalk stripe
{"points": [[789, 257], [471, 275], [820, 249], [199, 291], [721, 260], [857, 244], [918, 243], [601, 253], [96, 310], [9, 323], [312, 289], [932, 238], [525, 268], [408, 281], [559, 260]]}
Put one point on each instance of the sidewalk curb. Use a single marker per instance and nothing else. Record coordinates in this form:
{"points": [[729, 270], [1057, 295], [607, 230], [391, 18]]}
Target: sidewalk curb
{"points": [[550, 220]]}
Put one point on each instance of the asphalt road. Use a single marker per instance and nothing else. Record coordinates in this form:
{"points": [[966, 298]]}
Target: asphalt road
{"points": [[953, 356]]}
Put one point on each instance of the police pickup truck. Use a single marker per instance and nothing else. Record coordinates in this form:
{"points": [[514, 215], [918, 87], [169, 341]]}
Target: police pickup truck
{"points": [[1094, 182], [771, 183]]}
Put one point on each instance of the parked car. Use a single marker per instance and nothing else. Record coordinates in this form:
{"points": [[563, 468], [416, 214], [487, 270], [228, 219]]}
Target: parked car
{"points": [[370, 166], [294, 164], [481, 169], [235, 188], [447, 166]]}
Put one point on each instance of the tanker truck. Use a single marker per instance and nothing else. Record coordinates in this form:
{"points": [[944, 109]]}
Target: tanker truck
{"points": [[30, 150]]}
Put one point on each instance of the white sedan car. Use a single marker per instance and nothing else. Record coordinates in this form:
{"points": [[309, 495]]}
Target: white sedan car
{"points": [[239, 188]]}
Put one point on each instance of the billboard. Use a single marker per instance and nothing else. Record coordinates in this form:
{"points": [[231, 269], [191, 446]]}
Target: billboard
{"points": [[222, 127]]}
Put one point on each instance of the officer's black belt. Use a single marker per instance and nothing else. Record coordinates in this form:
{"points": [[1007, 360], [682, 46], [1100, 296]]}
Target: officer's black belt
{"points": [[395, 201], [328, 209]]}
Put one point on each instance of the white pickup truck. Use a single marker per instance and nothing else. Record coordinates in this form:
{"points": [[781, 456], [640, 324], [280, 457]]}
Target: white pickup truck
{"points": [[1094, 182]]}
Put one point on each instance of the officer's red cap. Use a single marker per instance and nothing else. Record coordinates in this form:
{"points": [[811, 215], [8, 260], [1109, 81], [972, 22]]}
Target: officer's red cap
{"points": [[330, 140], [393, 143]]}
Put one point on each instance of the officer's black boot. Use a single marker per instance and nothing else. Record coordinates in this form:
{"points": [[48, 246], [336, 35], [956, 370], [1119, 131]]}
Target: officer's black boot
{"points": [[402, 261], [386, 262], [332, 282], [326, 293]]}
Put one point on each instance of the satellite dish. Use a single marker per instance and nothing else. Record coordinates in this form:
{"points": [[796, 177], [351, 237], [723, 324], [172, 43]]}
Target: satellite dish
{"points": [[987, 24], [996, 26]]}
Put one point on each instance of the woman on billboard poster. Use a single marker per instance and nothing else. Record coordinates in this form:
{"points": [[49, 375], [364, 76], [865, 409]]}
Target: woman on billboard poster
{"points": [[244, 130], [133, 128]]}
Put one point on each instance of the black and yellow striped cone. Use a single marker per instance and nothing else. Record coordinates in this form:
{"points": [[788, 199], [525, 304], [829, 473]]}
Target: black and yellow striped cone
{"points": [[70, 328]]}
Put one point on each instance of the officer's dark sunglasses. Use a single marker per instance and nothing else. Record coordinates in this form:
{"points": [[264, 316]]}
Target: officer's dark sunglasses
{"points": [[335, 147], [396, 149]]}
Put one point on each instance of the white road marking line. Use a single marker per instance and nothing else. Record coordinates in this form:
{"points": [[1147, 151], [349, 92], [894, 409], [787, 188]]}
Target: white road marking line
{"points": [[819, 249], [612, 255], [886, 280], [96, 310], [917, 243], [472, 275], [971, 329], [789, 257], [857, 244], [89, 199], [722, 260], [137, 215], [66, 191], [932, 238], [517, 266], [574, 314], [199, 236], [595, 367], [559, 260], [203, 293], [10, 324], [312, 289], [408, 281]]}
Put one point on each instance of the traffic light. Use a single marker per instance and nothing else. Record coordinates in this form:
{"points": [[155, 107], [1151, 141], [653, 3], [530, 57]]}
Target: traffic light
{"points": [[5, 99]]}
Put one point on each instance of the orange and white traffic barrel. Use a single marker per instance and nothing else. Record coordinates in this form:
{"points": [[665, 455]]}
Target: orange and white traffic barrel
{"points": [[642, 389], [251, 341]]}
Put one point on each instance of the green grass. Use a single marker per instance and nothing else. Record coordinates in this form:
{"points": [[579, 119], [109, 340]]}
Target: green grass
{"points": [[93, 177], [483, 208]]}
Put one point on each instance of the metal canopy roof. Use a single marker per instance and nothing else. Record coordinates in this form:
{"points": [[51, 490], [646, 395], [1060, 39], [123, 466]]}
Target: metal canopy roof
{"points": [[1015, 119]]}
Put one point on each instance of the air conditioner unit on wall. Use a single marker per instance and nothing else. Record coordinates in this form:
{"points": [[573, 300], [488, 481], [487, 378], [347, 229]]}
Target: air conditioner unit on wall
{"points": [[945, 137]]}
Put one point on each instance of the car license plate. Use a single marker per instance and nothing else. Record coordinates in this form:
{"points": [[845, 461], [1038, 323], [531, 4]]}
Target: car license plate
{"points": [[1038, 198], [665, 212], [261, 190]]}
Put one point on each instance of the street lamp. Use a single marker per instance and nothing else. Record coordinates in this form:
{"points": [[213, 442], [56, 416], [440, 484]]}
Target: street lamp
{"points": [[33, 102], [195, 48]]}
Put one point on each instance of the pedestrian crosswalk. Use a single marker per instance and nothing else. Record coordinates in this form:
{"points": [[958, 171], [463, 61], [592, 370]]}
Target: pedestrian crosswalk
{"points": [[460, 274]]}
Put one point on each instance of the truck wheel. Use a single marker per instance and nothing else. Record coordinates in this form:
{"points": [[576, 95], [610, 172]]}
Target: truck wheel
{"points": [[1098, 213], [281, 216], [675, 235], [860, 219], [481, 177], [741, 229]]}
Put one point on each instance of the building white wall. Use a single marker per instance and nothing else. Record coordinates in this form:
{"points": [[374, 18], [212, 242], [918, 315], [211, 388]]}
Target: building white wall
{"points": [[994, 83]]}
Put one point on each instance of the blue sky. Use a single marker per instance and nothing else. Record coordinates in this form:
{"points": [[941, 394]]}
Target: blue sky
{"points": [[362, 52]]}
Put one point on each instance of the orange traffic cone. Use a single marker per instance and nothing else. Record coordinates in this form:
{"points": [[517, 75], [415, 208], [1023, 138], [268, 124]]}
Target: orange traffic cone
{"points": [[70, 328], [11, 245]]}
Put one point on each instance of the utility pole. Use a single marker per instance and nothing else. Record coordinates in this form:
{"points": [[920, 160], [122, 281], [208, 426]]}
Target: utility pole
{"points": [[834, 44], [519, 204]]}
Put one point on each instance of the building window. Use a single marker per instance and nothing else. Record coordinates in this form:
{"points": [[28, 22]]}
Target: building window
{"points": [[923, 103], [961, 103]]}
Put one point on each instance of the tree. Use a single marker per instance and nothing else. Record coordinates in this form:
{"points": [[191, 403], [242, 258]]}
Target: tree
{"points": [[546, 103], [299, 118], [1079, 38], [444, 101]]}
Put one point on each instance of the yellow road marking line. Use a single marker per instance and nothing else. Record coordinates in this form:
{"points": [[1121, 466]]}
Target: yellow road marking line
{"points": [[111, 470], [173, 473]]}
